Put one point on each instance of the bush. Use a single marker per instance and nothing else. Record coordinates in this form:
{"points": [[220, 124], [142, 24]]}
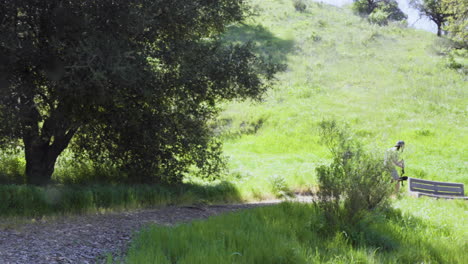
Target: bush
{"points": [[458, 60], [379, 17], [279, 187], [299, 5], [354, 183], [379, 11], [12, 169]]}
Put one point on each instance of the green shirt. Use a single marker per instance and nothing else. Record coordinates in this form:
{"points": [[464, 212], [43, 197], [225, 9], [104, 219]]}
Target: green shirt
{"points": [[392, 156]]}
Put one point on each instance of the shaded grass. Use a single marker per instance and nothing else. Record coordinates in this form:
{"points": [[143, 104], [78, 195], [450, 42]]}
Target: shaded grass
{"points": [[298, 233], [33, 201]]}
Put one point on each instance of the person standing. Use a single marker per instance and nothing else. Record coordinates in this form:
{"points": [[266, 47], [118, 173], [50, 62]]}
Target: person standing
{"points": [[392, 160]]}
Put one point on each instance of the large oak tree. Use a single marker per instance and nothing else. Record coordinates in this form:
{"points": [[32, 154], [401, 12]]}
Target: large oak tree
{"points": [[131, 82], [435, 10], [457, 21]]}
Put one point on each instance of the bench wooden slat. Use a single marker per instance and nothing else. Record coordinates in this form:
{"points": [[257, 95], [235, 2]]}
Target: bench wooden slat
{"points": [[447, 190], [437, 193], [436, 188], [443, 196], [435, 183]]}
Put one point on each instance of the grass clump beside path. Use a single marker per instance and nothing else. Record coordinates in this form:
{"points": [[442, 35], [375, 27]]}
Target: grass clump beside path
{"points": [[297, 233], [33, 201]]}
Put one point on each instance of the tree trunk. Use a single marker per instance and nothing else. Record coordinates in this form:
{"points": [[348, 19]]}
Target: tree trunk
{"points": [[40, 163], [41, 154], [43, 145]]}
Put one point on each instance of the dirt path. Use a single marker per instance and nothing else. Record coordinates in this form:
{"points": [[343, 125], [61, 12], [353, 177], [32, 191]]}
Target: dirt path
{"points": [[85, 239]]}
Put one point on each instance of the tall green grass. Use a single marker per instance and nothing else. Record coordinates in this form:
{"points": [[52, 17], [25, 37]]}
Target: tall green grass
{"points": [[388, 83], [298, 233], [33, 201]]}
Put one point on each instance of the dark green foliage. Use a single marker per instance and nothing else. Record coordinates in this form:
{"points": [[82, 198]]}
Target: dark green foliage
{"points": [[379, 17], [355, 182], [379, 11], [456, 59], [299, 5], [391, 7], [364, 7], [132, 83]]}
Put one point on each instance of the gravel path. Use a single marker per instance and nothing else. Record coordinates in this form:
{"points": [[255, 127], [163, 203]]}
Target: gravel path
{"points": [[87, 238]]}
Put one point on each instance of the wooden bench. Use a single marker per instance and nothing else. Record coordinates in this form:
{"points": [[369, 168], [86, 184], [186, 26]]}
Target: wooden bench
{"points": [[447, 190]]}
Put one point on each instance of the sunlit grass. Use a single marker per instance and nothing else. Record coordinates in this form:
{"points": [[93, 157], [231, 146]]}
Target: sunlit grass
{"points": [[294, 233], [388, 83]]}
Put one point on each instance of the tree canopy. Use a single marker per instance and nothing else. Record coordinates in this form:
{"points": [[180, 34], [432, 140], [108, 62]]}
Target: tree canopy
{"points": [[457, 22], [129, 82], [434, 10], [379, 11]]}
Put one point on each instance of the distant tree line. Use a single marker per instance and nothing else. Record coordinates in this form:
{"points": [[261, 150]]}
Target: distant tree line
{"points": [[434, 10], [450, 16], [130, 83], [379, 11]]}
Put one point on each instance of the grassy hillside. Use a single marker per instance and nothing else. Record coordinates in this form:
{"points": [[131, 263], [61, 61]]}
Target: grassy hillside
{"points": [[388, 83]]}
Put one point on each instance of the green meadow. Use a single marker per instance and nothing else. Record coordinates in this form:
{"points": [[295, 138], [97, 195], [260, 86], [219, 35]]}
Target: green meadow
{"points": [[386, 84]]}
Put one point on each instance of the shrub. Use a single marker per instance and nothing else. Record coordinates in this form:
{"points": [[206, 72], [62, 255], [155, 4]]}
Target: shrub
{"points": [[379, 11], [299, 5], [355, 182], [279, 187], [379, 17], [458, 60], [11, 169]]}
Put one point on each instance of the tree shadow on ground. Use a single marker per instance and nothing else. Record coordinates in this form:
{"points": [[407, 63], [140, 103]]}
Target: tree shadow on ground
{"points": [[266, 43]]}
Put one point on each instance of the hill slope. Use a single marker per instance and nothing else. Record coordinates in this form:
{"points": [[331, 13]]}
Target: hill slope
{"points": [[388, 83]]}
